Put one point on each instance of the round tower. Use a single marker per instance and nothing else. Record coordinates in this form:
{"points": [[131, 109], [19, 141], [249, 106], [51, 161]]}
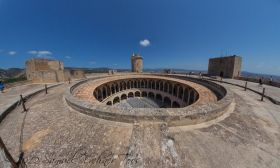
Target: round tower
{"points": [[136, 63]]}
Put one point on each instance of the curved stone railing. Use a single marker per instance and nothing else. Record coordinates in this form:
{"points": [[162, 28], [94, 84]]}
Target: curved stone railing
{"points": [[204, 109]]}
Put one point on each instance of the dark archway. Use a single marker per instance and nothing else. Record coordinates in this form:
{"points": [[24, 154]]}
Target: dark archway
{"points": [[130, 94], [144, 94], [109, 103], [116, 100], [175, 105], [167, 102], [181, 92], [159, 97], [123, 97], [137, 94], [191, 97], [151, 95]]}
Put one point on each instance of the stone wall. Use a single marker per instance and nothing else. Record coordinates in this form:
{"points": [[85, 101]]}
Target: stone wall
{"points": [[50, 71], [230, 66]]}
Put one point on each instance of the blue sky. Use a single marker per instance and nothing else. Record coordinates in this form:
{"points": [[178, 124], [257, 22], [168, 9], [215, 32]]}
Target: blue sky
{"points": [[176, 33]]}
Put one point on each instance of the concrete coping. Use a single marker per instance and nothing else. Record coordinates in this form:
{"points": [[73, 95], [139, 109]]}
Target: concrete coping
{"points": [[199, 112]]}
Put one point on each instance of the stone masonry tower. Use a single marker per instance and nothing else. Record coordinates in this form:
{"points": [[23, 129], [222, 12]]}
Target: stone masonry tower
{"points": [[136, 63]]}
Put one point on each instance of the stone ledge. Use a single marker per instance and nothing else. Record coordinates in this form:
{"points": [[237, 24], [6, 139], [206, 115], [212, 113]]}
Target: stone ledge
{"points": [[194, 114], [5, 112]]}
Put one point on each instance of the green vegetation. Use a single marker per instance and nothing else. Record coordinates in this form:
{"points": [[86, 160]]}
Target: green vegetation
{"points": [[13, 80]]}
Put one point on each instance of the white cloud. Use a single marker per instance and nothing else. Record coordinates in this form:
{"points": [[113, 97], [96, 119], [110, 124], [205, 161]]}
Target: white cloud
{"points": [[145, 43], [68, 57], [41, 53], [12, 52]]}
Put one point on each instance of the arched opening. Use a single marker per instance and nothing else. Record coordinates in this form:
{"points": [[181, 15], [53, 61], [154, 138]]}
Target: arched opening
{"points": [[181, 92], [130, 94], [157, 85], [128, 85], [153, 84], [124, 85], [135, 84], [144, 94], [123, 97], [116, 100], [167, 102], [113, 89], [138, 83], [104, 92], [109, 103], [191, 97], [175, 105], [121, 86], [117, 88], [151, 95], [142, 84], [186, 95], [137, 94], [170, 88], [161, 86], [99, 97], [175, 91], [108, 90], [165, 87], [149, 84], [159, 97]]}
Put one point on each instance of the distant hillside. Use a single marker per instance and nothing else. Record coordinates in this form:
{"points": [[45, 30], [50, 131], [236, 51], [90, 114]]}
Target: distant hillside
{"points": [[19, 73], [12, 73], [256, 75]]}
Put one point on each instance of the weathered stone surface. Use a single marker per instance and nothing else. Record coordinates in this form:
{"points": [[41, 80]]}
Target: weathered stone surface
{"points": [[54, 135]]}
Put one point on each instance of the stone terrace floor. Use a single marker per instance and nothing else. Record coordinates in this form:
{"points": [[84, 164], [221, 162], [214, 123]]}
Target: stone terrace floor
{"points": [[53, 135]]}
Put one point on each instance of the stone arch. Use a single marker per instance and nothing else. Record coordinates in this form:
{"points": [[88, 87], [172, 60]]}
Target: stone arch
{"points": [[138, 83], [181, 92], [113, 89], [144, 94], [191, 97], [128, 84], [99, 95], [104, 92], [165, 89], [170, 88], [159, 97], [117, 87], [137, 94], [167, 102], [116, 100], [121, 86], [151, 95], [186, 95], [157, 85], [124, 86], [109, 103], [123, 96], [149, 84], [175, 90], [142, 84], [161, 86], [130, 94], [153, 84], [135, 84], [175, 105], [108, 90]]}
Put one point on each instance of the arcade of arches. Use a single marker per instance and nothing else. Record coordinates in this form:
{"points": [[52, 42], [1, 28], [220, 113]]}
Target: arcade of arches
{"points": [[171, 93]]}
